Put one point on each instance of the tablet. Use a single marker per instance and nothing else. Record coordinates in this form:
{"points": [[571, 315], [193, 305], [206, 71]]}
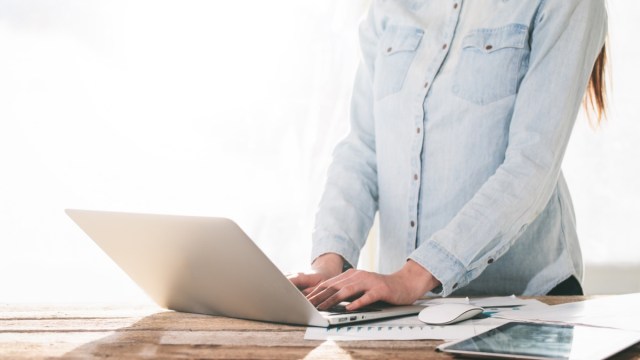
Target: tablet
{"points": [[517, 340]]}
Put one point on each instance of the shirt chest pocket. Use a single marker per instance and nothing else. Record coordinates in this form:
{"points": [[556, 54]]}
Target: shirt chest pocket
{"points": [[398, 47], [491, 64]]}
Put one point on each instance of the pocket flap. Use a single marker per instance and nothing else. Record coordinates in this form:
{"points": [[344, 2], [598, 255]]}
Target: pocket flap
{"points": [[401, 38], [490, 40]]}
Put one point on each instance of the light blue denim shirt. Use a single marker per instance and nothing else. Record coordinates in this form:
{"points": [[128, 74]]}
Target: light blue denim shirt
{"points": [[461, 113]]}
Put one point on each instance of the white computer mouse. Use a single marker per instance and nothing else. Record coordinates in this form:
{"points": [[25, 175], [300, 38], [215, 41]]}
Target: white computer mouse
{"points": [[445, 314]]}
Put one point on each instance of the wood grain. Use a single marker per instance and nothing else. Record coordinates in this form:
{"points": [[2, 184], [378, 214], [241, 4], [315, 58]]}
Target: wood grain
{"points": [[144, 332]]}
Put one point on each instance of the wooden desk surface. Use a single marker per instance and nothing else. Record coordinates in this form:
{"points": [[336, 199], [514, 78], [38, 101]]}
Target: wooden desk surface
{"points": [[85, 331]]}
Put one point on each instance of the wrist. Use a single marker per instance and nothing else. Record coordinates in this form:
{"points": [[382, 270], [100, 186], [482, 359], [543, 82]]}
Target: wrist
{"points": [[329, 264], [421, 279]]}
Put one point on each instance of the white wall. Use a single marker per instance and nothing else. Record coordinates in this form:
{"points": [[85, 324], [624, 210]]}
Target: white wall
{"points": [[188, 107], [602, 167], [220, 108]]}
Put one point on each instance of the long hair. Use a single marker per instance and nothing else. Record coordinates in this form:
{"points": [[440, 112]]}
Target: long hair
{"points": [[595, 100]]}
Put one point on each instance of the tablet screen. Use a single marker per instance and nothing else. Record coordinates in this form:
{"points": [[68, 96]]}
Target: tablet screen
{"points": [[545, 341]]}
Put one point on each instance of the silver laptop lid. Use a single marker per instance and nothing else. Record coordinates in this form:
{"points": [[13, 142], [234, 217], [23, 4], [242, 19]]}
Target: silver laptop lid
{"points": [[198, 264]]}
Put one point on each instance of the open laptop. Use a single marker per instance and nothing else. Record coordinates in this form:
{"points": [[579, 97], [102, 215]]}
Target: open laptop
{"points": [[208, 266]]}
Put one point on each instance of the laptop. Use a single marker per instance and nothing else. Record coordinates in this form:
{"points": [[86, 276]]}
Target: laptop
{"points": [[208, 265]]}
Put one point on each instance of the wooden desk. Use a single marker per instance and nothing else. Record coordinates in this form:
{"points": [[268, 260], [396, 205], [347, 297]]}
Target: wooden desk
{"points": [[47, 331]]}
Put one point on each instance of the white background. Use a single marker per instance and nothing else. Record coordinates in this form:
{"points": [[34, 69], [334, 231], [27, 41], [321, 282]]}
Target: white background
{"points": [[225, 109]]}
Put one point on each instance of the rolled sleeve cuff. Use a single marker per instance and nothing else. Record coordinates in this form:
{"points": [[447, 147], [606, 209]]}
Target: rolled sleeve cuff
{"points": [[332, 244], [442, 265]]}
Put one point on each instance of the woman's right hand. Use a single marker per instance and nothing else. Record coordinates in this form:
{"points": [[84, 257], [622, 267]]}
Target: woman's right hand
{"points": [[324, 267]]}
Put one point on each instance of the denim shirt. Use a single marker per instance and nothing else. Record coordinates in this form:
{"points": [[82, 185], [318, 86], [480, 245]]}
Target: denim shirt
{"points": [[460, 116]]}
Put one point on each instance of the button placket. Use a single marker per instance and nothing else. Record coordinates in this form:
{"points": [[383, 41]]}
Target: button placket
{"points": [[432, 70]]}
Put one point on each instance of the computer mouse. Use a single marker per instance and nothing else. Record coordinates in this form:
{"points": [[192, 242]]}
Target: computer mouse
{"points": [[446, 314]]}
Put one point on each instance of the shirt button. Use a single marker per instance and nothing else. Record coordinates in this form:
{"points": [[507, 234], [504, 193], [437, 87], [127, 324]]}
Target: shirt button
{"points": [[455, 6], [389, 49], [417, 130], [454, 286], [444, 47], [412, 223], [426, 85], [490, 261], [488, 47], [415, 176]]}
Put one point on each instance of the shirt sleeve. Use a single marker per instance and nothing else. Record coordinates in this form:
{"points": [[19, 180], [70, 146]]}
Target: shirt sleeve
{"points": [[350, 199], [566, 38]]}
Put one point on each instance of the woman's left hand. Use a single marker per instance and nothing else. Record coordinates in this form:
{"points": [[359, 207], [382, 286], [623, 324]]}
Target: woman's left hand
{"points": [[400, 288]]}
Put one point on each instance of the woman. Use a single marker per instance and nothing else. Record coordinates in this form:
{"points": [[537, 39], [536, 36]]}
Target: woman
{"points": [[461, 113]]}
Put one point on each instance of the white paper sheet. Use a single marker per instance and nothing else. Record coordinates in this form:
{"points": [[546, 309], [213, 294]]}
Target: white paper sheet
{"points": [[410, 328], [620, 312]]}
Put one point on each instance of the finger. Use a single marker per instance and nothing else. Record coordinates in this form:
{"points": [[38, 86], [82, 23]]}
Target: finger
{"points": [[307, 291], [345, 292], [352, 286], [321, 286], [321, 292], [327, 288], [299, 280], [368, 298], [366, 287], [303, 281]]}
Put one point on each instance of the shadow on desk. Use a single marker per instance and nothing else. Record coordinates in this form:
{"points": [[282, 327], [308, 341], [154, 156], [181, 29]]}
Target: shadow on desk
{"points": [[173, 335], [180, 335]]}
